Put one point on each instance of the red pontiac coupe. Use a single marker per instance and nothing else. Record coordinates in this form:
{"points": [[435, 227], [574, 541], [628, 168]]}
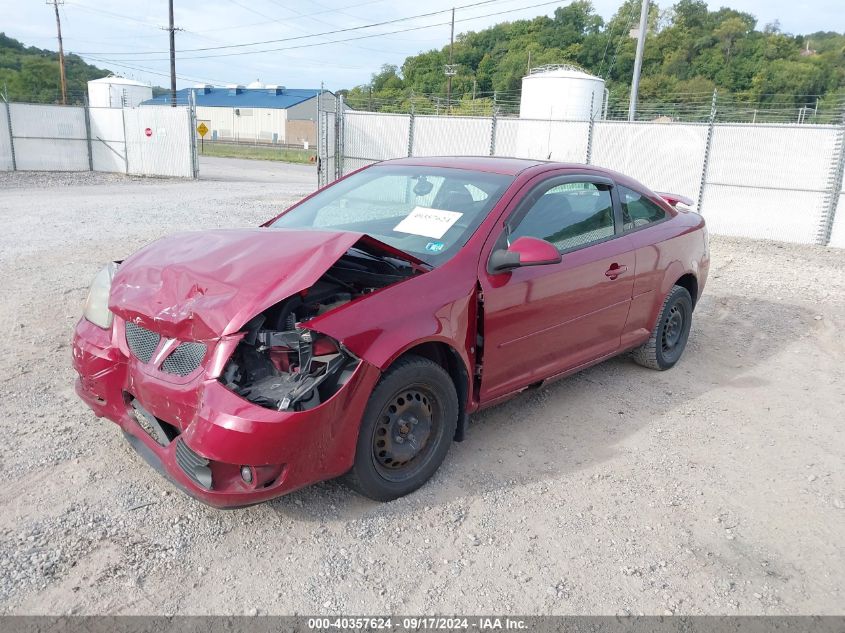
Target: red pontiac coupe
{"points": [[354, 333]]}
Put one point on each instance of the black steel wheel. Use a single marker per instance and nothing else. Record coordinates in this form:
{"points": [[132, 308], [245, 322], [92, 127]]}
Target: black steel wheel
{"points": [[670, 334], [406, 430], [401, 436], [673, 328]]}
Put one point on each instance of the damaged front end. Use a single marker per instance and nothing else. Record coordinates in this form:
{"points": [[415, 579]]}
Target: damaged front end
{"points": [[280, 364], [270, 404], [287, 370]]}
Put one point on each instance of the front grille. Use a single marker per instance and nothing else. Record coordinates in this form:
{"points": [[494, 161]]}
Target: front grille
{"points": [[141, 341], [184, 359], [195, 467]]}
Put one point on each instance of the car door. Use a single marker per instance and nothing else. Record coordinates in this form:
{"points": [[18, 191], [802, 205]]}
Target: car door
{"points": [[543, 320], [645, 224]]}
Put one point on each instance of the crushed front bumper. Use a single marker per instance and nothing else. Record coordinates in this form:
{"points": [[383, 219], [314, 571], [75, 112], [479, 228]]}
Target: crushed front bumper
{"points": [[211, 426]]}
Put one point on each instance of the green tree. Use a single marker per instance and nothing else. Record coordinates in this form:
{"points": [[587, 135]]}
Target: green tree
{"points": [[690, 51], [32, 74]]}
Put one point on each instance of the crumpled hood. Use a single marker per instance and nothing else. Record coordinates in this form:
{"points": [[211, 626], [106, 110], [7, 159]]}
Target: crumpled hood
{"points": [[206, 284]]}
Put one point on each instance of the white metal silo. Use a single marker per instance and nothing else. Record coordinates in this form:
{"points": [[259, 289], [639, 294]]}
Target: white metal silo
{"points": [[561, 93], [117, 92]]}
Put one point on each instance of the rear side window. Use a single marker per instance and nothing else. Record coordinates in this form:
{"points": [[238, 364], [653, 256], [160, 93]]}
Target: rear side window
{"points": [[569, 216], [637, 210]]}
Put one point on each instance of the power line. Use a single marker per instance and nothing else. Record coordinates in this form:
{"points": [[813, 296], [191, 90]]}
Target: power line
{"points": [[121, 64], [622, 37], [303, 15], [112, 14], [333, 32], [339, 41]]}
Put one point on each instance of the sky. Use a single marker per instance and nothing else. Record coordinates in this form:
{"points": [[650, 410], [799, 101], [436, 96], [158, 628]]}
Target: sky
{"points": [[127, 37]]}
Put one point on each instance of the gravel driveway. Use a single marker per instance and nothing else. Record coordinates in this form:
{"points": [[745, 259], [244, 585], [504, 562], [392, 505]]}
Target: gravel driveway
{"points": [[717, 487]]}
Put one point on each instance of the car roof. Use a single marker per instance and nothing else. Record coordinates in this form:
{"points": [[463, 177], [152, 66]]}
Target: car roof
{"points": [[489, 164], [502, 165]]}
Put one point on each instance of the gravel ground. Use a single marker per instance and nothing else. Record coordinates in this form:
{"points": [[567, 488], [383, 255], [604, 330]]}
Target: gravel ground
{"points": [[714, 488]]}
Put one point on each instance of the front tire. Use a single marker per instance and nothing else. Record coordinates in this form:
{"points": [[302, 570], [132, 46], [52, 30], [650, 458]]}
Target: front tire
{"points": [[669, 337], [406, 430]]}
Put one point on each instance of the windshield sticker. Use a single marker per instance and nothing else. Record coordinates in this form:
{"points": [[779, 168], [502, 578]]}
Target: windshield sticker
{"points": [[434, 247], [428, 222]]}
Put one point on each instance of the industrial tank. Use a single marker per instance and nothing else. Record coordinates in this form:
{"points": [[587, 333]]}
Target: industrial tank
{"points": [[117, 92], [562, 93]]}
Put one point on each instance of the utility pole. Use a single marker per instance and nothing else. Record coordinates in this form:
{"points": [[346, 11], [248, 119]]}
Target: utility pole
{"points": [[450, 67], [638, 62], [56, 4], [172, 30]]}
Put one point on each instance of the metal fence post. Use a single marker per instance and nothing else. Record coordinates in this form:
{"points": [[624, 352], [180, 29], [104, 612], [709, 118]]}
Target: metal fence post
{"points": [[125, 139], [319, 138], [338, 138], [834, 187], [192, 135], [11, 135], [707, 144], [493, 125], [590, 127], [411, 119], [87, 111]]}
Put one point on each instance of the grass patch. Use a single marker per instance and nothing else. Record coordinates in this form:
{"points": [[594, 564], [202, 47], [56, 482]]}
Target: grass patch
{"points": [[283, 154]]}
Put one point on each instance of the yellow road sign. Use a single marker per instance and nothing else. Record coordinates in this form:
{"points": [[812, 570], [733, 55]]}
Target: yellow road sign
{"points": [[202, 128]]}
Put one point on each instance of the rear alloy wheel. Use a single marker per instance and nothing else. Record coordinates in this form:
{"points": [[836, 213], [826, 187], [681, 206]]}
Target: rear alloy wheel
{"points": [[669, 337], [406, 431]]}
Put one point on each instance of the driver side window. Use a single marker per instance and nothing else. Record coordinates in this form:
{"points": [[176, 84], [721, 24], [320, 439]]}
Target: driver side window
{"points": [[570, 216]]}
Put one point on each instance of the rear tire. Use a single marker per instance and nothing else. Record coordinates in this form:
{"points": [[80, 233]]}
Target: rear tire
{"points": [[670, 334], [406, 430]]}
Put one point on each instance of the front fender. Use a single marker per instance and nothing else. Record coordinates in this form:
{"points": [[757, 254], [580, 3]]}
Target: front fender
{"points": [[439, 305]]}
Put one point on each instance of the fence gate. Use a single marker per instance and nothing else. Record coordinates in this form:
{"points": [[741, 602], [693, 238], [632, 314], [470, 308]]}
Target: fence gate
{"points": [[326, 140], [147, 141], [159, 140]]}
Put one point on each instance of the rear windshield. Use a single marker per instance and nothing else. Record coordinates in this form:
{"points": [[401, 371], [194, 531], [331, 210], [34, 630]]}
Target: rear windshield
{"points": [[429, 212]]}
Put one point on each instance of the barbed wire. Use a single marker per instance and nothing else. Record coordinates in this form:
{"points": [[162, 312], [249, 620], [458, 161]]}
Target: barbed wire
{"points": [[680, 107]]}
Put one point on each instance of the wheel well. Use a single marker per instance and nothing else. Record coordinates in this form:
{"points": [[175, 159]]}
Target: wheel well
{"points": [[448, 359], [689, 282]]}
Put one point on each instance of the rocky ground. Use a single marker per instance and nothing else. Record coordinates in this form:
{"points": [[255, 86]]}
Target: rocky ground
{"points": [[714, 488]]}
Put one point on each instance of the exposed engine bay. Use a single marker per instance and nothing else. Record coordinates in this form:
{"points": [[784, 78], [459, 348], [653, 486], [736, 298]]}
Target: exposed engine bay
{"points": [[280, 364]]}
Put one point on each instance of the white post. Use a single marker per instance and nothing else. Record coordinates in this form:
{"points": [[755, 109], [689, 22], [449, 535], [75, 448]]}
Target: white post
{"points": [[638, 61]]}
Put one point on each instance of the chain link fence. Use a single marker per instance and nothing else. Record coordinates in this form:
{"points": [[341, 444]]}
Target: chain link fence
{"points": [[147, 141], [768, 181]]}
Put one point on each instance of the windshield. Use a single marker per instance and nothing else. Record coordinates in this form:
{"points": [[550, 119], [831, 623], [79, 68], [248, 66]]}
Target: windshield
{"points": [[429, 212]]}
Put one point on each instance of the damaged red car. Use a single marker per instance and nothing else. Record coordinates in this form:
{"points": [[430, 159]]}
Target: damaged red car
{"points": [[354, 333]]}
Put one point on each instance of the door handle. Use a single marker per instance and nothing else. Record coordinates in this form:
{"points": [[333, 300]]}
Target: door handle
{"points": [[614, 271]]}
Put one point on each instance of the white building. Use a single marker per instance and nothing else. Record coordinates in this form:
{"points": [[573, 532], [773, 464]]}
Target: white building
{"points": [[117, 92], [262, 113]]}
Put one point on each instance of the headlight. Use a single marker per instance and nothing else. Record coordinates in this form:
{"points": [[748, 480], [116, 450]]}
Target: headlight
{"points": [[97, 304]]}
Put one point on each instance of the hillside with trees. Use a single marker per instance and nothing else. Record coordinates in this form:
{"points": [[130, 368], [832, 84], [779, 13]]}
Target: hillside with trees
{"points": [[32, 74], [689, 51]]}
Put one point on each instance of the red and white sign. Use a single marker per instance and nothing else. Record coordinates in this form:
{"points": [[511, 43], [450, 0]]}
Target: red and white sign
{"points": [[148, 131]]}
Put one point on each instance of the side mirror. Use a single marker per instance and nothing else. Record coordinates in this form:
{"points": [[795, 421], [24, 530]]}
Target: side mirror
{"points": [[525, 251]]}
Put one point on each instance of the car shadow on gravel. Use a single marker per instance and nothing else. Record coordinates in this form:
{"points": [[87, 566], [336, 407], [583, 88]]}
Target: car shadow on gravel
{"points": [[580, 421]]}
